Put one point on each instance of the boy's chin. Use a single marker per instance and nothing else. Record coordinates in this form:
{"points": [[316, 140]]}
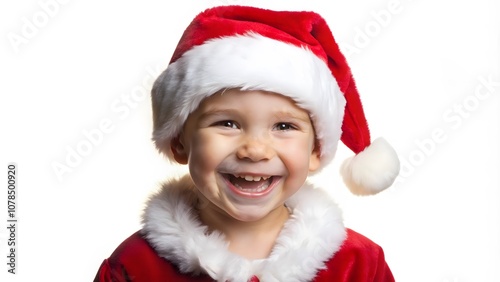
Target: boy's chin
{"points": [[250, 214]]}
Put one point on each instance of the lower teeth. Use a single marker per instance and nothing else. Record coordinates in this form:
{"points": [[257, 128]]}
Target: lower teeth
{"points": [[260, 189]]}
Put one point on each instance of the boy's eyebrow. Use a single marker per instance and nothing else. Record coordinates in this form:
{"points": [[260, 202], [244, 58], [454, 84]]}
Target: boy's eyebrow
{"points": [[278, 115], [294, 115], [217, 112]]}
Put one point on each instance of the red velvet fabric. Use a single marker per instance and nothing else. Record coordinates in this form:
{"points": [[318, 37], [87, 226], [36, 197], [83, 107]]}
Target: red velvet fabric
{"points": [[358, 260]]}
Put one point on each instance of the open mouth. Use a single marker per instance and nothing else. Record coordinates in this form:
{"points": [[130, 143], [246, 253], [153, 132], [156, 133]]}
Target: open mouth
{"points": [[250, 185]]}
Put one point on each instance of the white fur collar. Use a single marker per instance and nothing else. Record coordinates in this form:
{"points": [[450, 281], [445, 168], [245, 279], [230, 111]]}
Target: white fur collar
{"points": [[310, 237]]}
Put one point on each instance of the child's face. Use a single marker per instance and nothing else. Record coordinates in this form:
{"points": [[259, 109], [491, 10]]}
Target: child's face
{"points": [[248, 151]]}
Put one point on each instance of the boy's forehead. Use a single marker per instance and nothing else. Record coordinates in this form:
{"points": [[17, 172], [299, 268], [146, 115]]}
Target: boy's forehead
{"points": [[230, 96]]}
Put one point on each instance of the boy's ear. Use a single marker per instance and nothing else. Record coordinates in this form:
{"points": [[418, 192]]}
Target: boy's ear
{"points": [[180, 154], [314, 160]]}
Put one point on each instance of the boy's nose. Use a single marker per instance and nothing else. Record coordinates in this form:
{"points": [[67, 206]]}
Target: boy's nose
{"points": [[255, 149]]}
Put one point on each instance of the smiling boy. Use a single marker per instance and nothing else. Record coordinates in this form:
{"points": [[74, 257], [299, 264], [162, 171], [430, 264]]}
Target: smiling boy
{"points": [[248, 152], [254, 101]]}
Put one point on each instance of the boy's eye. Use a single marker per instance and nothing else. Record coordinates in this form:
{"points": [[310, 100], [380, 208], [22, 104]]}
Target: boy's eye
{"points": [[227, 123], [284, 126]]}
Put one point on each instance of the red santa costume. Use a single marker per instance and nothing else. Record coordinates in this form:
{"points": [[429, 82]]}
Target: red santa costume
{"points": [[294, 54]]}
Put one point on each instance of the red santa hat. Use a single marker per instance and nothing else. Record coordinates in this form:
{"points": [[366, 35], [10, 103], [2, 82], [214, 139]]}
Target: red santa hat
{"points": [[288, 52]]}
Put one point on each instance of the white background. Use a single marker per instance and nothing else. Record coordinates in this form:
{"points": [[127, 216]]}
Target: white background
{"points": [[416, 63]]}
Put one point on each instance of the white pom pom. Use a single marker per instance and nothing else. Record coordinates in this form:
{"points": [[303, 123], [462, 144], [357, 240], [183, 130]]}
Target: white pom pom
{"points": [[372, 170]]}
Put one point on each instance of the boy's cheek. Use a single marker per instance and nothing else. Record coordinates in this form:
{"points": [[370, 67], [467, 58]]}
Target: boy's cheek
{"points": [[208, 150]]}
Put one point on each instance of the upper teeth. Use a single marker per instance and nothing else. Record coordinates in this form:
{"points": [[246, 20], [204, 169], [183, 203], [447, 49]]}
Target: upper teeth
{"points": [[253, 178]]}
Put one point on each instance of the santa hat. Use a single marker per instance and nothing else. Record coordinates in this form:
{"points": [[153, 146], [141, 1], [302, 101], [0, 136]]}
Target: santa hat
{"points": [[288, 52]]}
